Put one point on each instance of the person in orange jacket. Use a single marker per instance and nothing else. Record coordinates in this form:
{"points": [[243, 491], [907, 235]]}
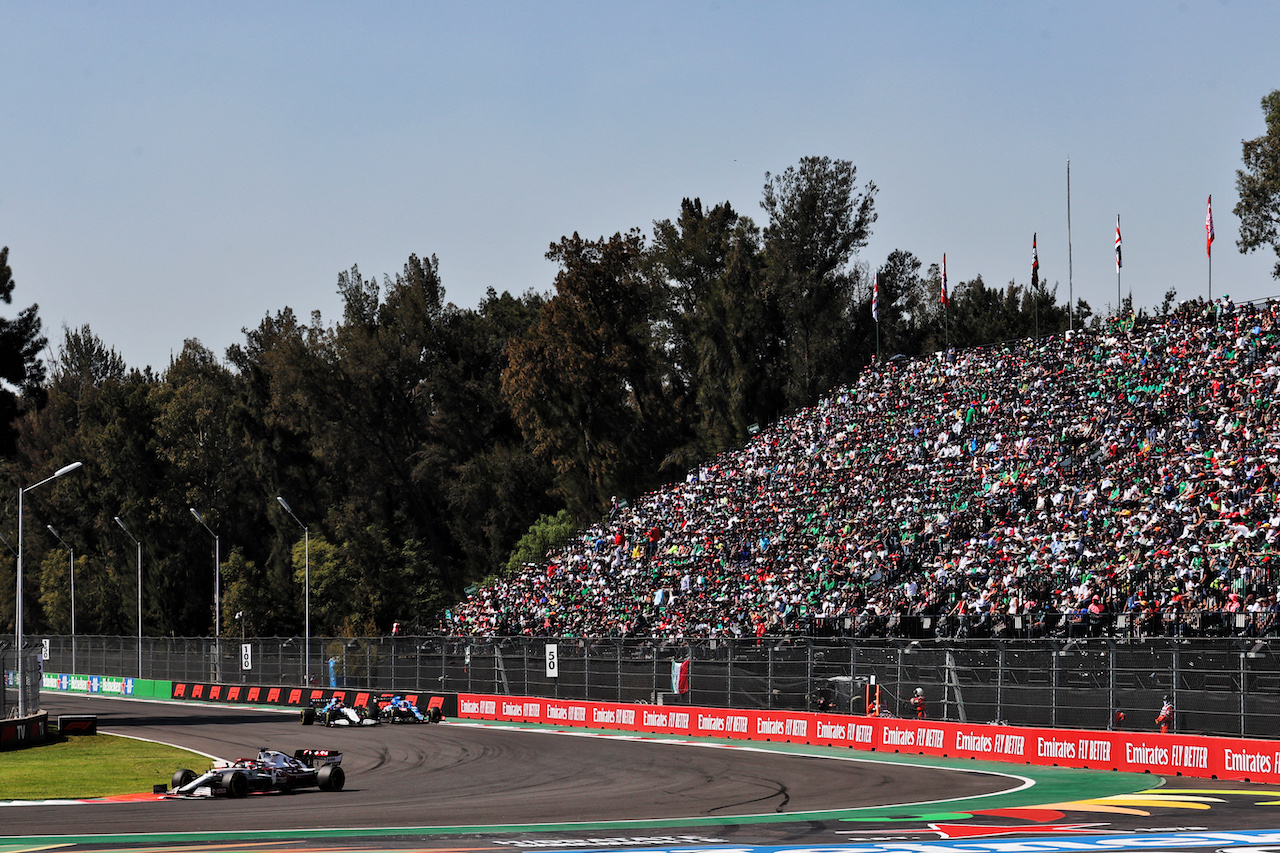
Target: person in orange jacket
{"points": [[1165, 720], [917, 703]]}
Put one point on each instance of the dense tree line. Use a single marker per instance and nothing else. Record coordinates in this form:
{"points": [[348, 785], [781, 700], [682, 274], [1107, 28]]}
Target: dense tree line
{"points": [[1258, 184], [425, 446]]}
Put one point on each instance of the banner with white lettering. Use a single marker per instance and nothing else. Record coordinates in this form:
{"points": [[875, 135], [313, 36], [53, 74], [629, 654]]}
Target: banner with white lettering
{"points": [[1188, 755]]}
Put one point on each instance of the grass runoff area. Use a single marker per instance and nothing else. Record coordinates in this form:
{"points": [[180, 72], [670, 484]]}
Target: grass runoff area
{"points": [[90, 766]]}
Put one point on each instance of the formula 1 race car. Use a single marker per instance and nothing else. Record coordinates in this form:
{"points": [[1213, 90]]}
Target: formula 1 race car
{"points": [[394, 708], [270, 771], [337, 713]]}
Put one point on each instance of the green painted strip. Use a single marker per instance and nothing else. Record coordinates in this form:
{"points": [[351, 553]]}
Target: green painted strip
{"points": [[1048, 785]]}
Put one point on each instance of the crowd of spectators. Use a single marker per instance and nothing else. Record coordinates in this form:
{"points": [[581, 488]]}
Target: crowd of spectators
{"points": [[1120, 479]]}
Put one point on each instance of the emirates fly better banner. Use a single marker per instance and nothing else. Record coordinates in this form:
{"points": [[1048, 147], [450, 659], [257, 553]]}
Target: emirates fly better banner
{"points": [[1172, 754]]}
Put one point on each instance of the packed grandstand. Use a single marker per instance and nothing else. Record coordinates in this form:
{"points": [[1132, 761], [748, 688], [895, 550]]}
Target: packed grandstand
{"points": [[1104, 481]]}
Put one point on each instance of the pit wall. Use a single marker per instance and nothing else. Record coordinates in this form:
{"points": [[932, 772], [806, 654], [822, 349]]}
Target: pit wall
{"points": [[1129, 751]]}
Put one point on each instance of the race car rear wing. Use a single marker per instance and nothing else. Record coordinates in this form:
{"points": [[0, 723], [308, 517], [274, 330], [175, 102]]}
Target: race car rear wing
{"points": [[318, 757]]}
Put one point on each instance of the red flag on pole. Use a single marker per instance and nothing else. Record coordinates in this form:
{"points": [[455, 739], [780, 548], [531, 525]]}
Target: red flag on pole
{"points": [[1035, 261], [1208, 229], [944, 279], [1117, 242], [875, 298]]}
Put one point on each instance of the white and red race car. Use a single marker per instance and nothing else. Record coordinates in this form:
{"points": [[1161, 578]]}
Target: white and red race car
{"points": [[270, 771]]}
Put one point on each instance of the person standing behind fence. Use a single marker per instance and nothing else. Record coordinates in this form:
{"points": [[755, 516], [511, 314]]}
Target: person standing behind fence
{"points": [[1165, 720], [917, 703]]}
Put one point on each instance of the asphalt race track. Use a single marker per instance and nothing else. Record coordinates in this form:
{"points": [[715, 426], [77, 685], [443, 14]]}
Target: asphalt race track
{"points": [[451, 775], [475, 787]]}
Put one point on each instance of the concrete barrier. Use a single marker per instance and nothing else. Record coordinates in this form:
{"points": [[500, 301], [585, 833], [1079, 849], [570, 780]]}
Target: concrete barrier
{"points": [[24, 731]]}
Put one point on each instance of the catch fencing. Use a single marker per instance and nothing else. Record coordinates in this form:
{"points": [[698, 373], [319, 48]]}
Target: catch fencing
{"points": [[20, 686], [1224, 686]]}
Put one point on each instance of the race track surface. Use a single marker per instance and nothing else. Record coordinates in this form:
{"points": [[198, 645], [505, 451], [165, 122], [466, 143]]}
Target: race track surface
{"points": [[460, 775], [478, 788]]}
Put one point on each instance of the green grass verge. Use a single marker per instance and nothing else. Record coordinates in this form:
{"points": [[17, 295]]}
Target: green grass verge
{"points": [[90, 766]]}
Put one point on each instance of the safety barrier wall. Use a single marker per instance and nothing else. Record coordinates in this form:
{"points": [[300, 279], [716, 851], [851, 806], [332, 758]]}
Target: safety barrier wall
{"points": [[300, 697], [1135, 752], [295, 697], [110, 685], [233, 694], [27, 731]]}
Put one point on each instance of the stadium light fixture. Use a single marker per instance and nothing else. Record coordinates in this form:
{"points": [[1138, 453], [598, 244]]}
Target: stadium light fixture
{"points": [[72, 576], [306, 590], [217, 593], [137, 542], [17, 632]]}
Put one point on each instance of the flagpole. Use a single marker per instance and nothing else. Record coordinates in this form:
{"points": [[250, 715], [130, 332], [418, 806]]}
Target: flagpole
{"points": [[946, 306], [1035, 282], [1208, 242], [1119, 306], [1070, 290], [875, 310]]}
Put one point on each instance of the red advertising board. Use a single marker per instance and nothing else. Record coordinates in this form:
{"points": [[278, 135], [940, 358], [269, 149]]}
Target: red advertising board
{"points": [[1170, 754], [291, 696]]}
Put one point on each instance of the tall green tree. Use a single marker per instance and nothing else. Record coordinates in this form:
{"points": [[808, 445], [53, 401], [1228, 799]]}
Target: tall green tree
{"points": [[494, 486], [904, 304], [203, 469], [709, 262], [818, 220], [274, 416], [1258, 184], [97, 414], [20, 365], [589, 384], [379, 396]]}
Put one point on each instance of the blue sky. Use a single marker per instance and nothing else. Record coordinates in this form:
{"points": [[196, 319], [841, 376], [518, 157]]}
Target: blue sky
{"points": [[181, 170]]}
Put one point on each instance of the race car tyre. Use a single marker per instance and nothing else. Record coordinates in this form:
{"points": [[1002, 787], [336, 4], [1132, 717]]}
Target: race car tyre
{"points": [[331, 778], [435, 715], [182, 777], [237, 784], [308, 716]]}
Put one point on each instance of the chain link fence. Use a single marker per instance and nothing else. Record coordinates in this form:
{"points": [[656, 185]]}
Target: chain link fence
{"points": [[1225, 686], [19, 693]]}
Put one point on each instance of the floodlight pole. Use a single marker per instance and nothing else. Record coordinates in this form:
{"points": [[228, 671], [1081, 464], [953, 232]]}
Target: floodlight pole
{"points": [[17, 628], [72, 575], [217, 596], [306, 591], [137, 542]]}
